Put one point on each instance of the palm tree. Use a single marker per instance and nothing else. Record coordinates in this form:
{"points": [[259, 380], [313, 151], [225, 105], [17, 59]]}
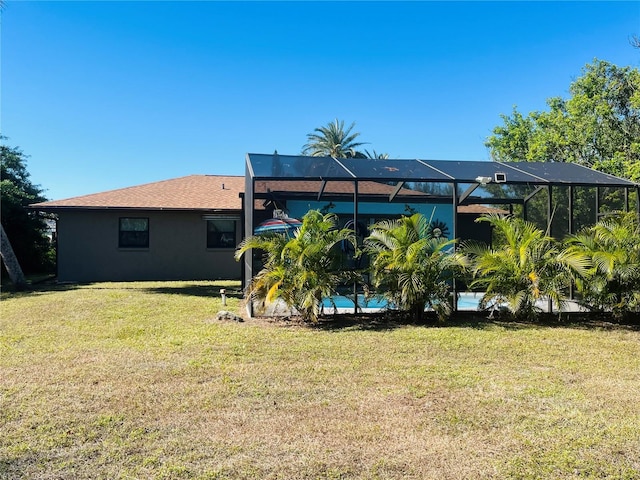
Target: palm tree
{"points": [[527, 266], [613, 247], [375, 155], [333, 140], [410, 267], [301, 270]]}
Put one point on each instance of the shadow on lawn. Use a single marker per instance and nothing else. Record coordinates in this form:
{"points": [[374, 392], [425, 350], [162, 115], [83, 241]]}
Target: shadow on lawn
{"points": [[385, 321], [36, 288], [197, 290]]}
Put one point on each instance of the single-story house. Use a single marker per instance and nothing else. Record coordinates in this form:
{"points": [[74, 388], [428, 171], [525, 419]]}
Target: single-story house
{"points": [[183, 228], [187, 228]]}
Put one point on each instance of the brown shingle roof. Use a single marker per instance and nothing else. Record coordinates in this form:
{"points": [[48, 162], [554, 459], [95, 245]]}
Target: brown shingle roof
{"points": [[194, 192], [215, 192], [480, 209]]}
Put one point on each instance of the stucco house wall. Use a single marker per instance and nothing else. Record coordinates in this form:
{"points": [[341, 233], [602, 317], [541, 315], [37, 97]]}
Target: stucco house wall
{"points": [[88, 248], [178, 210]]}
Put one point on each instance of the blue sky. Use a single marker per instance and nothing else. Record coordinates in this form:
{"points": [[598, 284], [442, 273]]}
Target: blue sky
{"points": [[104, 95]]}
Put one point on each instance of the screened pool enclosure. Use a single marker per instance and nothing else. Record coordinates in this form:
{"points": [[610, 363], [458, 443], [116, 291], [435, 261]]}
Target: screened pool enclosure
{"points": [[563, 197]]}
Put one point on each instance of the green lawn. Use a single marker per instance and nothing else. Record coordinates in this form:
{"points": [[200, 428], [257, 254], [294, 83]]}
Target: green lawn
{"points": [[138, 380]]}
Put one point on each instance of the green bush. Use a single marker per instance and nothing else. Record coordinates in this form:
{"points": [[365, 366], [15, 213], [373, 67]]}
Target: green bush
{"points": [[525, 267], [303, 269], [612, 283], [411, 267]]}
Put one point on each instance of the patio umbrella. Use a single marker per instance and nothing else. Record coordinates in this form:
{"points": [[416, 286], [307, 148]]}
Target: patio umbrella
{"points": [[278, 225]]}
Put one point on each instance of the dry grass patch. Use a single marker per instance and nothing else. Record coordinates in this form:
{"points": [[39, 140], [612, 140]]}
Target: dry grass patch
{"points": [[136, 381]]}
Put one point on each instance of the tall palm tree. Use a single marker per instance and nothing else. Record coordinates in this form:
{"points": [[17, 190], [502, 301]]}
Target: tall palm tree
{"points": [[613, 247], [525, 267], [301, 270], [410, 267], [375, 155], [333, 140]]}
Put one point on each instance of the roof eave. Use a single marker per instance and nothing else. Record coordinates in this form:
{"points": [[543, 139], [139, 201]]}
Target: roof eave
{"points": [[54, 208]]}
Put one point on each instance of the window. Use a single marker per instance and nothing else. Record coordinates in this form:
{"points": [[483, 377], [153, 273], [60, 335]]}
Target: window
{"points": [[221, 233], [134, 233]]}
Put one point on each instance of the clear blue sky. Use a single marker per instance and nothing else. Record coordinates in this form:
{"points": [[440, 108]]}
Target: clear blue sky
{"points": [[104, 95]]}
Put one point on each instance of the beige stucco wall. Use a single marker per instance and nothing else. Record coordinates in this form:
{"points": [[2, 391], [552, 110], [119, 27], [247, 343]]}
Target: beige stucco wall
{"points": [[88, 248]]}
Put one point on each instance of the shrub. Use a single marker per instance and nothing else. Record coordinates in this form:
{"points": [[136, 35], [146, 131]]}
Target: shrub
{"points": [[525, 267], [612, 283], [410, 267], [303, 269]]}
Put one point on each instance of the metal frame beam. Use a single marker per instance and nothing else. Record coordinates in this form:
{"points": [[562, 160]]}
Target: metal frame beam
{"points": [[468, 192], [322, 187], [396, 191]]}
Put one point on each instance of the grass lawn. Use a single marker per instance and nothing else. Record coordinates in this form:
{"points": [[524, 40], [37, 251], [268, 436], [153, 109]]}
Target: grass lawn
{"points": [[137, 380]]}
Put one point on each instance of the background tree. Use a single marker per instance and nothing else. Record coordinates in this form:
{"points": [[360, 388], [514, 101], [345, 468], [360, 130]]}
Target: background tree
{"points": [[333, 140], [597, 126], [375, 155], [25, 229]]}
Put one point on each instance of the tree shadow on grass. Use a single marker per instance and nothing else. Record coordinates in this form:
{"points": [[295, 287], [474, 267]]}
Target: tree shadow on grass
{"points": [[195, 288], [198, 290], [39, 288], [387, 320]]}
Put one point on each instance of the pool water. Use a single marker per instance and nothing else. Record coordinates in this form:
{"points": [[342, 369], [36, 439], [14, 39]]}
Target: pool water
{"points": [[466, 301], [342, 301]]}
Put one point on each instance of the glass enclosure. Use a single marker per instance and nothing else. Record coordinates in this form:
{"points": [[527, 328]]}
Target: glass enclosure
{"points": [[562, 196]]}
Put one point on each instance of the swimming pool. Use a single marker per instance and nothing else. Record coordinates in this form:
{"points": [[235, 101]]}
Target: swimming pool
{"points": [[467, 301]]}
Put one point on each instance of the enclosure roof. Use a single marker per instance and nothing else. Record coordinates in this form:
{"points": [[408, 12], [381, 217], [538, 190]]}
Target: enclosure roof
{"points": [[293, 167]]}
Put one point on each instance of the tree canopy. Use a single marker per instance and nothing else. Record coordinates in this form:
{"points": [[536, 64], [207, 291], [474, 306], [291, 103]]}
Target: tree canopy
{"points": [[597, 126], [26, 229]]}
